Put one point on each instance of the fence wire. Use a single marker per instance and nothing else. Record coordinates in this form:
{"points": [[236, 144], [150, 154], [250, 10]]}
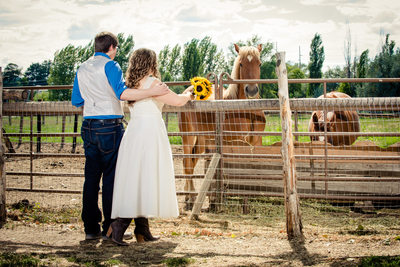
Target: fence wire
{"points": [[358, 170]]}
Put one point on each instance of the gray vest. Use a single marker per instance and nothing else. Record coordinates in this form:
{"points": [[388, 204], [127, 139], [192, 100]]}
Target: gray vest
{"points": [[99, 96]]}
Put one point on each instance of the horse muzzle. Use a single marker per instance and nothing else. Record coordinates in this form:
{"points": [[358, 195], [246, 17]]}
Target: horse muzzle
{"points": [[251, 91]]}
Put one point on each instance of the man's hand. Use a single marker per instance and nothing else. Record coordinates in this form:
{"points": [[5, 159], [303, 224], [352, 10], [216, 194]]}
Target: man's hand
{"points": [[159, 88]]}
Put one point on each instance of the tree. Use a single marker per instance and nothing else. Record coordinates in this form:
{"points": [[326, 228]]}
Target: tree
{"points": [[125, 48], [347, 88], [296, 89], [317, 57], [12, 75], [268, 71], [175, 62], [62, 72], [169, 63], [347, 52], [362, 65], [201, 57], [85, 52], [385, 65], [213, 60], [67, 60], [192, 63], [334, 73], [361, 72], [37, 73]]}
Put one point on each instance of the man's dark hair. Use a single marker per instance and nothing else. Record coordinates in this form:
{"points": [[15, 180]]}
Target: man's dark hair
{"points": [[103, 40]]}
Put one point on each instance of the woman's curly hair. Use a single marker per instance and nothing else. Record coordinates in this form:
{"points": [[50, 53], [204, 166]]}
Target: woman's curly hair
{"points": [[142, 62]]}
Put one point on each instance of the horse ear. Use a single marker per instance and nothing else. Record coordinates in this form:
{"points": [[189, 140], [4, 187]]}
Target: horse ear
{"points": [[259, 47], [236, 48], [315, 121], [341, 115]]}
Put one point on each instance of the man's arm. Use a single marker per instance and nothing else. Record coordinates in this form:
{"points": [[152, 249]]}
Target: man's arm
{"points": [[76, 98], [157, 88], [116, 80]]}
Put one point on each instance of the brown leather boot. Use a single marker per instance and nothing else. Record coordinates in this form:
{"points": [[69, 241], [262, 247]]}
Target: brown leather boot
{"points": [[142, 231], [118, 228]]}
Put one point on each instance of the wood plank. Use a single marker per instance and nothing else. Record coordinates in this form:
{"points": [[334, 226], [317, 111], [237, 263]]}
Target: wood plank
{"points": [[205, 186]]}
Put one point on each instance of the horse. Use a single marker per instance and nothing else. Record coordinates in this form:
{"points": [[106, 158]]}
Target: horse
{"points": [[336, 121], [246, 66]]}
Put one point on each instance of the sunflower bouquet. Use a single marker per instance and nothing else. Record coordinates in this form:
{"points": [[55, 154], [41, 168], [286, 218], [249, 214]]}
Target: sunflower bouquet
{"points": [[202, 88]]}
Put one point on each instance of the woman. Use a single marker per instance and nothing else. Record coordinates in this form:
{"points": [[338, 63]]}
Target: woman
{"points": [[144, 179]]}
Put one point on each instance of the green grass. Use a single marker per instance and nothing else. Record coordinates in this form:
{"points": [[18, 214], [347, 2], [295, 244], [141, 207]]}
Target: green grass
{"points": [[172, 262], [51, 124], [380, 125], [273, 124], [36, 214], [381, 261], [14, 259]]}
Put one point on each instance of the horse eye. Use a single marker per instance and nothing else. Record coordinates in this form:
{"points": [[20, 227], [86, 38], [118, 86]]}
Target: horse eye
{"points": [[260, 65], [241, 65]]}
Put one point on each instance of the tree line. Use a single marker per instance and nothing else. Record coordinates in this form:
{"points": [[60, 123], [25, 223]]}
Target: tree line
{"points": [[199, 57]]}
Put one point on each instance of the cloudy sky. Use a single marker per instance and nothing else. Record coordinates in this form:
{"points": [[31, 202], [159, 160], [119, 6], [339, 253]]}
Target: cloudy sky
{"points": [[33, 30]]}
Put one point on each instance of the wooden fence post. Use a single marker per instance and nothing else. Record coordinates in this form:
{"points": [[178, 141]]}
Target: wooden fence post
{"points": [[75, 131], [292, 206], [3, 212], [205, 186], [63, 131]]}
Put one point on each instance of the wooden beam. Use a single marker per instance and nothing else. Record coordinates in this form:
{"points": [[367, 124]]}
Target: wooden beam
{"points": [[15, 94], [205, 186], [292, 206], [307, 104], [3, 210]]}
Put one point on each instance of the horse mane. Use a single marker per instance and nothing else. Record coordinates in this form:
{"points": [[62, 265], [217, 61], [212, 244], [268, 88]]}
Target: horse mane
{"points": [[232, 91]]}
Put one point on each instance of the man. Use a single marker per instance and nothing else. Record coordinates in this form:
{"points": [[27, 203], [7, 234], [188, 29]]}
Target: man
{"points": [[98, 87]]}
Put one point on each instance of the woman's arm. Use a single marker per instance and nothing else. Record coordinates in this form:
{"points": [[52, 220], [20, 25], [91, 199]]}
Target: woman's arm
{"points": [[174, 99], [157, 88]]}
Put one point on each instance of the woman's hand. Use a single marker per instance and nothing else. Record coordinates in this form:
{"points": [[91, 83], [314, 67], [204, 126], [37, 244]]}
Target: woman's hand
{"points": [[189, 92]]}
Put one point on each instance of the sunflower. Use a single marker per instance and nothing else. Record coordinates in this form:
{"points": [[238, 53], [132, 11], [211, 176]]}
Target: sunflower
{"points": [[202, 88]]}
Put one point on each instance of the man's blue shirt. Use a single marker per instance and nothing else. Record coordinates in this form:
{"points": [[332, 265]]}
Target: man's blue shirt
{"points": [[115, 78]]}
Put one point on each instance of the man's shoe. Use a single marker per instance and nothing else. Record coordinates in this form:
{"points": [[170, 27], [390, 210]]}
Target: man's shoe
{"points": [[93, 236]]}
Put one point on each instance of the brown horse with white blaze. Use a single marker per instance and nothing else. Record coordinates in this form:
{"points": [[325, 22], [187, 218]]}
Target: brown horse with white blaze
{"points": [[336, 121], [246, 66]]}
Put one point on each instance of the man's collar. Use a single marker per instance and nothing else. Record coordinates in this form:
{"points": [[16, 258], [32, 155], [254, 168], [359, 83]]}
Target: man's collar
{"points": [[101, 54]]}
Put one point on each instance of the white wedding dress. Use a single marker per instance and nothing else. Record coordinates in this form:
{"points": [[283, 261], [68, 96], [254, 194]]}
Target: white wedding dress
{"points": [[144, 183]]}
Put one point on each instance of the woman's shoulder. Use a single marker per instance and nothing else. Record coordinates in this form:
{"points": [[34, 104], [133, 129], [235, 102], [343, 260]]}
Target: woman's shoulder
{"points": [[152, 78], [147, 81]]}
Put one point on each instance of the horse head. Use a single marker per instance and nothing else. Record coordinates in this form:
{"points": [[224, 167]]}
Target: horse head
{"points": [[336, 121], [247, 67]]}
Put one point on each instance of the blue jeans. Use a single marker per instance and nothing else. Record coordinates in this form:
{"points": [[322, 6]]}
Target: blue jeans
{"points": [[101, 140]]}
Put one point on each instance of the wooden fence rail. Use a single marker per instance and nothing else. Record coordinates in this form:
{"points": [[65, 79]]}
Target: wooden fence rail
{"points": [[30, 109]]}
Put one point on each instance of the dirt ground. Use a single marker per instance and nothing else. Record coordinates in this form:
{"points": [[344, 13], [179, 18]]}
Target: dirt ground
{"points": [[333, 236], [211, 241]]}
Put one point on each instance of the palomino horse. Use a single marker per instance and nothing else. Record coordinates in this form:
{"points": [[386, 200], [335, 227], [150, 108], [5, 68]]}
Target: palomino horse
{"points": [[336, 121], [246, 66]]}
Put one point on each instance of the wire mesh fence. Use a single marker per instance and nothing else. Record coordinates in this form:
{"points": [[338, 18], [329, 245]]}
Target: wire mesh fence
{"points": [[341, 160]]}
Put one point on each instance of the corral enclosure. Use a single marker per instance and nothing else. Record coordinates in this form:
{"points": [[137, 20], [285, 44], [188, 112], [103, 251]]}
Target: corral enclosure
{"points": [[349, 194], [44, 155]]}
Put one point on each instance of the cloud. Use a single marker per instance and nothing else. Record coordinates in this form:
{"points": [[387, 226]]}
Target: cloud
{"points": [[32, 31], [82, 31], [191, 14], [385, 17]]}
